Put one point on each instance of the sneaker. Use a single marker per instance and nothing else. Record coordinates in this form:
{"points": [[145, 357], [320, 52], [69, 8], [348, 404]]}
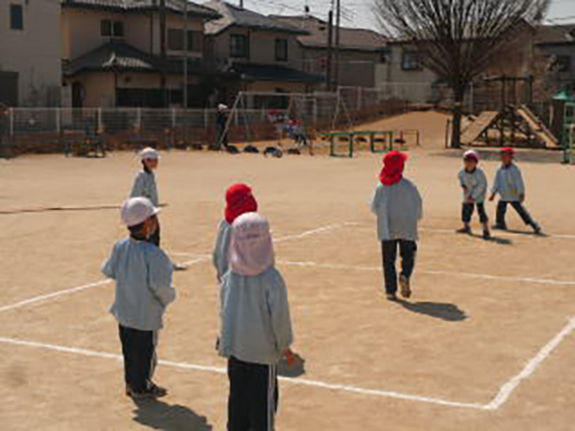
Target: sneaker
{"points": [[464, 230], [158, 391], [405, 286], [391, 296], [179, 267], [486, 235], [152, 392], [537, 229]]}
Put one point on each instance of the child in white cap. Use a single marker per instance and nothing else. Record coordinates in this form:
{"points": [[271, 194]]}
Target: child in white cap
{"points": [[143, 275], [474, 184], [256, 329], [145, 184]]}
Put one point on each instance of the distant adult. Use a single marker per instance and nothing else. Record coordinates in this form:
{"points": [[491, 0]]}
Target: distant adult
{"points": [[221, 126]]}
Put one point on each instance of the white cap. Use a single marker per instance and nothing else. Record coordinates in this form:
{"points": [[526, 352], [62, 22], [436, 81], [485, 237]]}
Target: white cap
{"points": [[471, 154], [137, 210], [149, 153], [222, 107]]}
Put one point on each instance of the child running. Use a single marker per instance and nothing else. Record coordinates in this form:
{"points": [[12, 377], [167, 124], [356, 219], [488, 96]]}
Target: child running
{"points": [[143, 275], [398, 206], [145, 184], [474, 184], [239, 200], [256, 329], [511, 189]]}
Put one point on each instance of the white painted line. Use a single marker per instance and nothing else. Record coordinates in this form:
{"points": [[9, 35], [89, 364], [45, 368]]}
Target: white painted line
{"points": [[221, 370], [508, 388], [433, 272], [314, 231], [54, 295]]}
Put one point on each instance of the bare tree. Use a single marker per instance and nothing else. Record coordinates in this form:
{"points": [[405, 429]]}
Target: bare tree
{"points": [[457, 38]]}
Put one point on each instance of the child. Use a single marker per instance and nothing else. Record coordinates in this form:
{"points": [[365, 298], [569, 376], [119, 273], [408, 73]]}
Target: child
{"points": [[256, 327], [398, 207], [511, 189], [145, 184], [474, 184], [239, 200], [143, 275]]}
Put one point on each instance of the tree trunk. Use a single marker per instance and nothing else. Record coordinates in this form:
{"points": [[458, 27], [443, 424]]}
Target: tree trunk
{"points": [[457, 116]]}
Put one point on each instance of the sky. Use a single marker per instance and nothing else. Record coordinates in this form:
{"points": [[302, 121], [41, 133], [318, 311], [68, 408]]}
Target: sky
{"points": [[357, 13]]}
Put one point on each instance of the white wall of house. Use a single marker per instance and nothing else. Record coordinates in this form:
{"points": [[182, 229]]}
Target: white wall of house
{"points": [[33, 52]]}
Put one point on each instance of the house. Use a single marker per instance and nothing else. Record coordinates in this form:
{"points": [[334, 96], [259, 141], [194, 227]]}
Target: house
{"points": [[361, 51], [114, 53], [257, 53], [30, 53]]}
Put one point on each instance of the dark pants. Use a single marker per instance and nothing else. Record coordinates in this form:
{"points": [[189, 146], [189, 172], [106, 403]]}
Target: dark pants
{"points": [[155, 237], [468, 208], [253, 396], [517, 206], [139, 350], [408, 250]]}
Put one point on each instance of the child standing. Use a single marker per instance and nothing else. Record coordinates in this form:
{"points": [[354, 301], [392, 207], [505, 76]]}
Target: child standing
{"points": [[474, 184], [143, 275], [398, 206], [239, 200], [511, 189], [145, 184], [256, 329]]}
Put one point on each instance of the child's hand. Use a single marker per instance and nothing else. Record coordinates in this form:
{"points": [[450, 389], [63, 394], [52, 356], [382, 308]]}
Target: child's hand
{"points": [[522, 197], [492, 197], [290, 357]]}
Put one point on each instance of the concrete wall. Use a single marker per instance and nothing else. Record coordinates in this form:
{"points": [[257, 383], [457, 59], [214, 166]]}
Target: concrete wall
{"points": [[34, 52]]}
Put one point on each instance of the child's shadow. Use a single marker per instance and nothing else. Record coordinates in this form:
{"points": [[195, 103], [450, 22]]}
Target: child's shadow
{"points": [[527, 233], [293, 371], [158, 415], [496, 240], [439, 310]]}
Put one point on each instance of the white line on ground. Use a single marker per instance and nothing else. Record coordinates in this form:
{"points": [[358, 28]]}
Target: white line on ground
{"points": [[313, 231], [54, 295], [221, 370], [432, 272], [508, 388]]}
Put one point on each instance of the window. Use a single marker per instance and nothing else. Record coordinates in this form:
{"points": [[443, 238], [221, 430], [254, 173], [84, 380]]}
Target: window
{"points": [[239, 46], [110, 28], [16, 17], [176, 40], [281, 50], [411, 60], [563, 63]]}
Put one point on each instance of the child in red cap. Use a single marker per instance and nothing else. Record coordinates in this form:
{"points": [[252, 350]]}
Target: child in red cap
{"points": [[239, 200], [511, 189], [474, 184], [398, 207]]}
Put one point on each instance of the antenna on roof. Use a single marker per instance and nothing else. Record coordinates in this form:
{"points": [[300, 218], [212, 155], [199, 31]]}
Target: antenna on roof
{"points": [[242, 4], [306, 9]]}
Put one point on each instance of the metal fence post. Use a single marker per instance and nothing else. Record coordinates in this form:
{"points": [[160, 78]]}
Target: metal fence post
{"points": [[58, 120], [99, 120], [11, 119]]}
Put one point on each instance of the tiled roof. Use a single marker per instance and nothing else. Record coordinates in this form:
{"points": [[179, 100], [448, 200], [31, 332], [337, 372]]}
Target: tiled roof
{"points": [[174, 6], [119, 56], [265, 72], [234, 16], [350, 38], [555, 34]]}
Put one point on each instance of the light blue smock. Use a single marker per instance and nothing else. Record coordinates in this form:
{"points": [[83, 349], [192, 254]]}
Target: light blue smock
{"points": [[143, 275], [220, 256], [509, 183], [145, 187], [474, 185]]}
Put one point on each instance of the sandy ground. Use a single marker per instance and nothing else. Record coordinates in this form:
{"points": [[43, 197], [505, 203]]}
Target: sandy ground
{"points": [[481, 310]]}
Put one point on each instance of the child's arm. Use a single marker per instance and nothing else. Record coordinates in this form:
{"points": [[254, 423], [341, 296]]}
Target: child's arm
{"points": [[278, 307], [496, 186], [520, 184], [480, 191], [376, 201], [108, 267], [160, 269], [139, 187], [418, 203]]}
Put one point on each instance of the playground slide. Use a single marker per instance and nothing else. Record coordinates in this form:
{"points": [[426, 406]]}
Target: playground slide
{"points": [[475, 129], [538, 128]]}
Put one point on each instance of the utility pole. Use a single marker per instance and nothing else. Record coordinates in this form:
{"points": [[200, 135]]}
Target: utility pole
{"points": [[337, 43], [163, 55], [328, 79], [242, 4], [186, 48]]}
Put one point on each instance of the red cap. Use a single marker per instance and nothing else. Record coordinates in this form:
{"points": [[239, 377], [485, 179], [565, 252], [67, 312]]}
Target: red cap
{"points": [[508, 150]]}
